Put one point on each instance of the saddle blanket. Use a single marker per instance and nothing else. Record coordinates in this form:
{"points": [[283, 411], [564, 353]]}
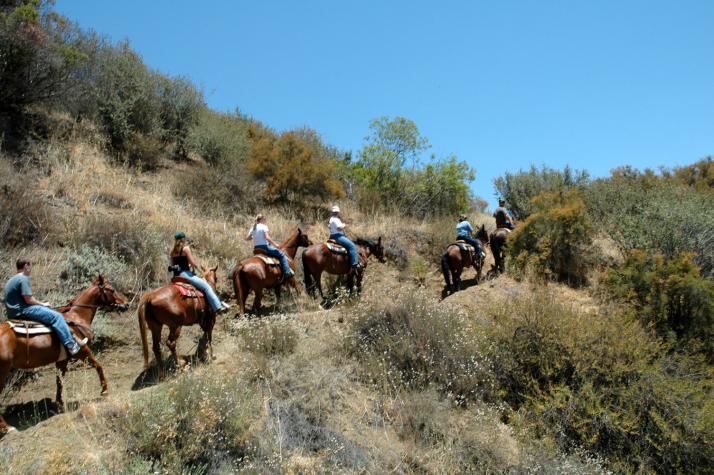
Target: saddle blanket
{"points": [[188, 291], [26, 327], [464, 246], [271, 261], [336, 248]]}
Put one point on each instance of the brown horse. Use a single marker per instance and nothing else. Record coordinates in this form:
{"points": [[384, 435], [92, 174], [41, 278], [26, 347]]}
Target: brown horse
{"points": [[499, 239], [21, 351], [166, 306], [254, 274], [455, 259], [318, 259]]}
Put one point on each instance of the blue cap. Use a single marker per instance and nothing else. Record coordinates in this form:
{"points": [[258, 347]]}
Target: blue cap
{"points": [[179, 235]]}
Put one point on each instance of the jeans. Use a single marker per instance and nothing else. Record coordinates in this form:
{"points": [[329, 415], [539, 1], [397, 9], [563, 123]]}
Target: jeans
{"points": [[275, 252], [204, 287], [474, 242], [54, 320], [344, 241]]}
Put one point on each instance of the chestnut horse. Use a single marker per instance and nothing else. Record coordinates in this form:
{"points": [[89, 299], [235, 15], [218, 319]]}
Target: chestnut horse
{"points": [[166, 306], [21, 351], [254, 274], [318, 259], [499, 239], [454, 260]]}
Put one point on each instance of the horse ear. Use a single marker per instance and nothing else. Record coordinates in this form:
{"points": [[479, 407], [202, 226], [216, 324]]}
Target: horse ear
{"points": [[100, 279], [299, 231], [379, 240], [215, 268]]}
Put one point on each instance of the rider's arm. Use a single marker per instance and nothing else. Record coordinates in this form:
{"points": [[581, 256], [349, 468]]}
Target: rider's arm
{"points": [[249, 236], [30, 300], [191, 261], [270, 241]]}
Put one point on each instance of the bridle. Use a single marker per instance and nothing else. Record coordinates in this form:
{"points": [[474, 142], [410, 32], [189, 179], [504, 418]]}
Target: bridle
{"points": [[103, 299]]}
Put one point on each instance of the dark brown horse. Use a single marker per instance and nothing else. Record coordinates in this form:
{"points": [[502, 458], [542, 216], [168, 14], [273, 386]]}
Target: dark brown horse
{"points": [[455, 259], [21, 351], [254, 274], [499, 239], [318, 259], [166, 306]]}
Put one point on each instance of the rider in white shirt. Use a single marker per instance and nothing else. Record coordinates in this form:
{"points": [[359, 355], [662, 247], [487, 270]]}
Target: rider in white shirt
{"points": [[261, 240], [337, 234]]}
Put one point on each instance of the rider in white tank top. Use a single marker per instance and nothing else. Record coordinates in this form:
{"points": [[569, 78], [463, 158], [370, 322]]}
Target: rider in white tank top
{"points": [[258, 234], [336, 225]]}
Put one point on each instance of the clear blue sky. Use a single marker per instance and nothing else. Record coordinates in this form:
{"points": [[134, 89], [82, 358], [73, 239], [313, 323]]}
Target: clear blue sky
{"points": [[501, 84]]}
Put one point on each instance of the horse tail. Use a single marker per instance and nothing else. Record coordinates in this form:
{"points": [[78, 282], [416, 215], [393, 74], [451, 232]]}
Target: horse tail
{"points": [[142, 311], [238, 286], [445, 268], [309, 280]]}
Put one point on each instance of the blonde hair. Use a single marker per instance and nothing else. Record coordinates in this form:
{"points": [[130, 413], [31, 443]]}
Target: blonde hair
{"points": [[258, 219]]}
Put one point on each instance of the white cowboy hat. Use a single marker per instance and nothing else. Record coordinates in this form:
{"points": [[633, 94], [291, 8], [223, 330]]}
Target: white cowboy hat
{"points": [[335, 209]]}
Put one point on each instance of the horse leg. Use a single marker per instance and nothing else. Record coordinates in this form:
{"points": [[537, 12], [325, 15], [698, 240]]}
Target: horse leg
{"points": [[62, 367], [156, 346], [277, 295], [100, 371], [174, 334], [257, 299], [5, 368], [457, 279]]}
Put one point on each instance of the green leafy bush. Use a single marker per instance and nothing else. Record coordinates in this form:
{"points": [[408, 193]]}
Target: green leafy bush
{"points": [[640, 210], [519, 189], [82, 266], [555, 240], [668, 295], [220, 139], [604, 383]]}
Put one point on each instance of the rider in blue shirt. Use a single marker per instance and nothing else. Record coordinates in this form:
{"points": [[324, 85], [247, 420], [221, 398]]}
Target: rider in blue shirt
{"points": [[463, 232], [20, 304]]}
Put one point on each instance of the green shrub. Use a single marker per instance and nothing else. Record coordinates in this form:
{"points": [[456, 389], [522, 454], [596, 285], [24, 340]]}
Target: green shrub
{"points": [[668, 295], [602, 382], [82, 266], [412, 342], [555, 240], [198, 422], [220, 139], [519, 189], [129, 237], [640, 210]]}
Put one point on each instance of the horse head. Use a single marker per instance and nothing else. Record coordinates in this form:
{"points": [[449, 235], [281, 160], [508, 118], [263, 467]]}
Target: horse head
{"points": [[482, 234], [375, 248], [210, 275], [302, 239], [108, 297]]}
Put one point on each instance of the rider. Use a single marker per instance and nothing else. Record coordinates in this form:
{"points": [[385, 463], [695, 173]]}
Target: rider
{"points": [[261, 240], [503, 217], [183, 264], [463, 232], [337, 234], [19, 303]]}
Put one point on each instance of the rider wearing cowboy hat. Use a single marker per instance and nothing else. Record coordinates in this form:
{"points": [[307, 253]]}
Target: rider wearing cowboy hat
{"points": [[463, 232], [337, 234]]}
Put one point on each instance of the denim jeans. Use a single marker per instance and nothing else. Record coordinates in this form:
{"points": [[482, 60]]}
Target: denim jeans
{"points": [[204, 287], [278, 253], [52, 319], [344, 241], [474, 242]]}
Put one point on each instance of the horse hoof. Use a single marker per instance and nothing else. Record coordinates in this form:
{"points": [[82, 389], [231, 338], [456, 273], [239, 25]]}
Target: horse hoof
{"points": [[104, 393], [7, 430]]}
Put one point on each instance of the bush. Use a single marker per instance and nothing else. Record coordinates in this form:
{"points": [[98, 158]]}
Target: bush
{"points": [[199, 422], [519, 189], [668, 295], [642, 211], [555, 240], [601, 382], [83, 265], [220, 139], [412, 342], [26, 216], [270, 339], [129, 237]]}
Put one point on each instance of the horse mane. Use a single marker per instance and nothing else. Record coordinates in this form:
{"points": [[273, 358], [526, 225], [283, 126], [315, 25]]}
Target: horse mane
{"points": [[365, 242]]}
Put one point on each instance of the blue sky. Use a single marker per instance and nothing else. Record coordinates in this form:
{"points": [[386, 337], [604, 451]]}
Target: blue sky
{"points": [[501, 84]]}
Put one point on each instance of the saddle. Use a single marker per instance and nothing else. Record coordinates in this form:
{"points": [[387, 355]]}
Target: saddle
{"points": [[333, 246], [28, 328], [464, 246], [186, 289], [260, 253]]}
